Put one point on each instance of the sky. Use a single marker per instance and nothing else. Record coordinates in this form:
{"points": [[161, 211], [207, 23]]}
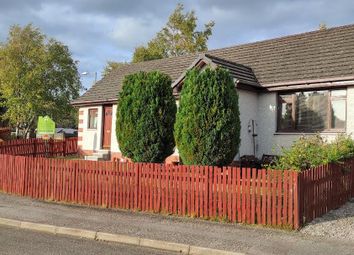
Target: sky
{"points": [[100, 30]]}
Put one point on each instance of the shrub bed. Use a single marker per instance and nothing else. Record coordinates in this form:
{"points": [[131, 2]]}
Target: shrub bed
{"points": [[312, 151]]}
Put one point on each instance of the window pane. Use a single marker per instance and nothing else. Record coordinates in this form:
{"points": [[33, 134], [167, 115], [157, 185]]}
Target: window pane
{"points": [[285, 112], [312, 110], [338, 114], [339, 93], [92, 118]]}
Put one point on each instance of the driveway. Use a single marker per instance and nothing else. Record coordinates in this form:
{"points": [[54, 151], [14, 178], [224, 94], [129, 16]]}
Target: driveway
{"points": [[337, 224]]}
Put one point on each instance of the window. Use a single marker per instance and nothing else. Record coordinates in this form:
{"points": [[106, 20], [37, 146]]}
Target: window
{"points": [[312, 111], [92, 118]]}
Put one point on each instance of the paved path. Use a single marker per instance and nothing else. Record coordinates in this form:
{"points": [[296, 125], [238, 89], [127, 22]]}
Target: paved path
{"points": [[233, 237], [23, 242]]}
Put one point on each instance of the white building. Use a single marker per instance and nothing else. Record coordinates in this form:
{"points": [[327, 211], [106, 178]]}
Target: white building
{"points": [[288, 87]]}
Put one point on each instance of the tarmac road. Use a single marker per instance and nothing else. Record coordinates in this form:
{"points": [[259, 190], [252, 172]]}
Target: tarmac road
{"points": [[15, 241], [251, 240]]}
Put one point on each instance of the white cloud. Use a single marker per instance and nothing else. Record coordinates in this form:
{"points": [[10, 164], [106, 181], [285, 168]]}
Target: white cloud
{"points": [[97, 31], [130, 32]]}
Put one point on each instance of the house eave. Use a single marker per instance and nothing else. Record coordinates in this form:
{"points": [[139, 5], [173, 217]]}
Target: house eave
{"points": [[311, 84], [93, 102]]}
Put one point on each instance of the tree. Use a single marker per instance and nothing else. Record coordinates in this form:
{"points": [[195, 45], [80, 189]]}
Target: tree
{"points": [[207, 128], [151, 52], [322, 26], [112, 65], [37, 77], [177, 38], [146, 114]]}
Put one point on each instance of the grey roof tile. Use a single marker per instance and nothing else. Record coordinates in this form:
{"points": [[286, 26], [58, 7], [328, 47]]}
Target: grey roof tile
{"points": [[313, 55]]}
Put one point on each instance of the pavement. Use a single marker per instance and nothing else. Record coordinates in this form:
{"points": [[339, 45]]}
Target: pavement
{"points": [[181, 230], [25, 242]]}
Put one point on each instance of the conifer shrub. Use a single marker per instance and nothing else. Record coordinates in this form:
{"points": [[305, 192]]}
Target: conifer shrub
{"points": [[146, 113], [207, 129]]}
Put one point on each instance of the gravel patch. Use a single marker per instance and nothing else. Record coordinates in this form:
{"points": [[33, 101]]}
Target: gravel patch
{"points": [[337, 224]]}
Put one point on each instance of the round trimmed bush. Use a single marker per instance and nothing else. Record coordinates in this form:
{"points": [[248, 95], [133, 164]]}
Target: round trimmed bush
{"points": [[146, 114], [207, 128]]}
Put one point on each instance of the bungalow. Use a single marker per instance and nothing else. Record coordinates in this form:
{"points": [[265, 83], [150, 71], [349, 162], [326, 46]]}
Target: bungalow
{"points": [[288, 86]]}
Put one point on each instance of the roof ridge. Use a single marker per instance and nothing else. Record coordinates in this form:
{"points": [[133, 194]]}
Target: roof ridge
{"points": [[305, 56], [163, 59], [326, 30], [226, 60], [197, 54]]}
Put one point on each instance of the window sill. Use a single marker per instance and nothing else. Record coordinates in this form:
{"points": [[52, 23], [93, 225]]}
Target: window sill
{"points": [[311, 133]]}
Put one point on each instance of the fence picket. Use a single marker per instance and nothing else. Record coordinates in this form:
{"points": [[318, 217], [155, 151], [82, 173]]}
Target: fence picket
{"points": [[236, 194], [243, 197], [248, 195], [259, 201], [253, 195], [290, 201], [233, 192]]}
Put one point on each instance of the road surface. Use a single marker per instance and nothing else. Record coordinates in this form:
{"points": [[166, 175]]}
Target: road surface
{"points": [[14, 241]]}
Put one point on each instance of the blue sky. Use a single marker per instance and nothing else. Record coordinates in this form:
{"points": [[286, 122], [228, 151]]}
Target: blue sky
{"points": [[97, 31]]}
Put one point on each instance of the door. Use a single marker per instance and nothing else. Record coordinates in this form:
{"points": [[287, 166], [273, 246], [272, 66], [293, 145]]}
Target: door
{"points": [[107, 126]]}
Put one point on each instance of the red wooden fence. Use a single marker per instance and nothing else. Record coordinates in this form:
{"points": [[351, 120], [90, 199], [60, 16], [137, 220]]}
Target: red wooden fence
{"points": [[39, 148], [237, 195], [244, 195], [325, 188]]}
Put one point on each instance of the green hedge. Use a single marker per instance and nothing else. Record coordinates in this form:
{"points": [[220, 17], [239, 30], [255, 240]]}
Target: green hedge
{"points": [[207, 129], [146, 113]]}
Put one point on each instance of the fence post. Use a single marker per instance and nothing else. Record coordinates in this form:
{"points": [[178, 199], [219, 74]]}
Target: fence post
{"points": [[25, 176], [35, 148], [137, 183], [51, 147], [64, 147], [297, 200]]}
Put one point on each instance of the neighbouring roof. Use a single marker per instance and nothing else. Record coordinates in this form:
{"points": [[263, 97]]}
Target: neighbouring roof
{"points": [[70, 131], [322, 54]]}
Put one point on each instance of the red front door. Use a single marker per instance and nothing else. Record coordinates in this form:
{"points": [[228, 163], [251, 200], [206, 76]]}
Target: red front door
{"points": [[107, 126]]}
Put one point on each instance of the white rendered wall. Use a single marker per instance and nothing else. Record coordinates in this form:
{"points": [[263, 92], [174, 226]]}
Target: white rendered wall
{"points": [[91, 138], [114, 141], [248, 105], [350, 111], [259, 107]]}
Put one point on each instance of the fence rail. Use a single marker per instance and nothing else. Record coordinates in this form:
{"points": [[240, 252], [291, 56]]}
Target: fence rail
{"points": [[40, 148]]}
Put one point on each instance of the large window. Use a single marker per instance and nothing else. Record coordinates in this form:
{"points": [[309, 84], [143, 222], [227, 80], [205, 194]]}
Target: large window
{"points": [[312, 111], [92, 118]]}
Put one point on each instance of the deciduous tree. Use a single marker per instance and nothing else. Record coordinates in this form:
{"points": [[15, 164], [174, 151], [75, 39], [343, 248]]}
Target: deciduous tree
{"points": [[37, 77], [178, 37], [112, 65]]}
